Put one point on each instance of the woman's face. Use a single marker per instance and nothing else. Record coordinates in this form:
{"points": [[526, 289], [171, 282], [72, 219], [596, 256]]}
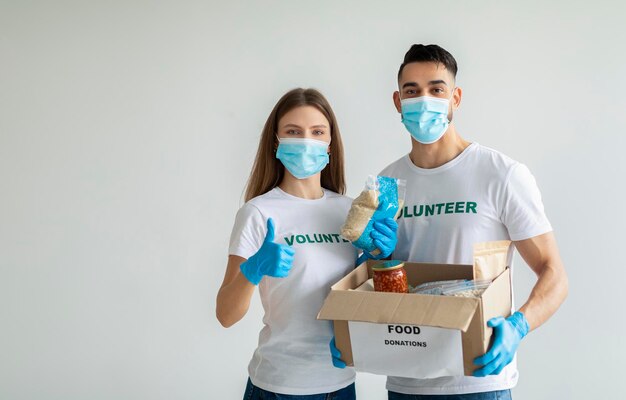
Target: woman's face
{"points": [[304, 122]]}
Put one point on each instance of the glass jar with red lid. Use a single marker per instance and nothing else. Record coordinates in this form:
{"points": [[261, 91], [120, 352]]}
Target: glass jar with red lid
{"points": [[390, 276]]}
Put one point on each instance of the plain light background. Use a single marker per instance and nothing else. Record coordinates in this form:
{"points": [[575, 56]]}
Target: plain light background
{"points": [[128, 130]]}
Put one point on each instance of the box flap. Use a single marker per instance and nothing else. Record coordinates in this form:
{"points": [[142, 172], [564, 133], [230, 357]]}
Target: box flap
{"points": [[414, 309]]}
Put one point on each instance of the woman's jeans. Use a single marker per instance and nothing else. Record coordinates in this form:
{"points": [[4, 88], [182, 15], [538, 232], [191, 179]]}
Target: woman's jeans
{"points": [[256, 393]]}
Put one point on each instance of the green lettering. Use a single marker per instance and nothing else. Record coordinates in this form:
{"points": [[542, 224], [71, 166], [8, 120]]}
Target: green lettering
{"points": [[458, 208], [406, 212], [336, 235], [439, 208], [327, 238], [449, 208], [470, 205], [308, 239], [300, 239], [289, 242], [421, 211], [430, 210], [316, 235]]}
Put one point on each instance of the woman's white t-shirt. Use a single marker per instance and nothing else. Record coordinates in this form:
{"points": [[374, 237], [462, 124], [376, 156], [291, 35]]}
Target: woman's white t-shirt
{"points": [[293, 354]]}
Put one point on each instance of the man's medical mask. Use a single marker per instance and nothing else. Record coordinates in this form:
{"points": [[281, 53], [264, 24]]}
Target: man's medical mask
{"points": [[426, 118], [302, 157]]}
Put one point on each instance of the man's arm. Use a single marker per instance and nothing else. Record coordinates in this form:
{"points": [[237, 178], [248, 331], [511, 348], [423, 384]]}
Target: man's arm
{"points": [[542, 256]]}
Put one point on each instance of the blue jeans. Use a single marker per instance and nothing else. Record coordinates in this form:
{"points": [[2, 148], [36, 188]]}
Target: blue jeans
{"points": [[256, 393], [497, 395]]}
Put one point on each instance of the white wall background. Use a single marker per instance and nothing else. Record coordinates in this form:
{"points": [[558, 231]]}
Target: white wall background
{"points": [[128, 129]]}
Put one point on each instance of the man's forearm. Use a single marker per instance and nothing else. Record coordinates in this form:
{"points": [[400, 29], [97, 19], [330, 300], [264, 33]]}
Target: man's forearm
{"points": [[548, 294]]}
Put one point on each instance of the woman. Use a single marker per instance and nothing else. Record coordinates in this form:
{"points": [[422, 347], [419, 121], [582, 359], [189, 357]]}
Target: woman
{"points": [[286, 240]]}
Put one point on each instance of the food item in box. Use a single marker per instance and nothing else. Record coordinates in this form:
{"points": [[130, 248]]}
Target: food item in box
{"points": [[390, 276], [454, 287], [383, 197], [473, 288], [436, 287], [490, 259]]}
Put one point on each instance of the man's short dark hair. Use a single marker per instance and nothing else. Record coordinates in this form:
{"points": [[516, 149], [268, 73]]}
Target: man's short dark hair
{"points": [[429, 53]]}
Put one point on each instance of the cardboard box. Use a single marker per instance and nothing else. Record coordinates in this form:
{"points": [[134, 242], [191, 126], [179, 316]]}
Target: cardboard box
{"points": [[413, 335]]}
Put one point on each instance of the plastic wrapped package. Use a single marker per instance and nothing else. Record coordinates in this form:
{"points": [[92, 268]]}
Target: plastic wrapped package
{"points": [[383, 197], [457, 287]]}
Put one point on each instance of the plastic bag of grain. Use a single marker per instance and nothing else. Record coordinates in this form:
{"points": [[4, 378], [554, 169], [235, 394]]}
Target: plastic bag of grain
{"points": [[383, 197]]}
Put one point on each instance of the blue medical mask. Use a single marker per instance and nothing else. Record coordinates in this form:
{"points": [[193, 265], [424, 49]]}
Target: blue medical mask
{"points": [[302, 157], [426, 118]]}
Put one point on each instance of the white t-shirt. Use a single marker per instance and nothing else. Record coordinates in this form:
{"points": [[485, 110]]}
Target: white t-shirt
{"points": [[293, 356], [481, 195]]}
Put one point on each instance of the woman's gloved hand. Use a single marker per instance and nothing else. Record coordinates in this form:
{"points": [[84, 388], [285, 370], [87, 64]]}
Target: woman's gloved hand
{"points": [[272, 259], [336, 355], [508, 335]]}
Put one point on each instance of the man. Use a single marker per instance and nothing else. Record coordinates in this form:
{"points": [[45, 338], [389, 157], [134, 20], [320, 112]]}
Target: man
{"points": [[497, 199]]}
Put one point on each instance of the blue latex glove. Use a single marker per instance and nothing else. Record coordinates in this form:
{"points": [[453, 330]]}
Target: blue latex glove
{"points": [[384, 236], [508, 334], [272, 259], [336, 355]]}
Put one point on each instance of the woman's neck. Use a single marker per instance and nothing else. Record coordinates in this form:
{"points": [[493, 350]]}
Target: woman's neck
{"points": [[308, 188]]}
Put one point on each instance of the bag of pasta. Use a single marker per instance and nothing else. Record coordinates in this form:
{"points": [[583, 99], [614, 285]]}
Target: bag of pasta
{"points": [[383, 197]]}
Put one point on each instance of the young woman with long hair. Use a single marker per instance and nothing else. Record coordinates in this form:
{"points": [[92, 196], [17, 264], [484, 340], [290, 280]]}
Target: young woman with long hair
{"points": [[286, 240]]}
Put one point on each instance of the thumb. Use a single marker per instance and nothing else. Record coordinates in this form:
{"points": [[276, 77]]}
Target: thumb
{"points": [[269, 237], [493, 322]]}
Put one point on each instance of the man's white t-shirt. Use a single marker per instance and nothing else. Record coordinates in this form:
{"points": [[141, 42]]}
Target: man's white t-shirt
{"points": [[293, 356], [481, 195]]}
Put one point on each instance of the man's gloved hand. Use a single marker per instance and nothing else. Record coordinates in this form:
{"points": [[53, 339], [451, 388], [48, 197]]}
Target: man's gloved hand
{"points": [[508, 334], [385, 235], [272, 259], [336, 355]]}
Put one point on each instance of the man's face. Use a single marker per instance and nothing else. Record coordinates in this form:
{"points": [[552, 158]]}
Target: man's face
{"points": [[427, 79]]}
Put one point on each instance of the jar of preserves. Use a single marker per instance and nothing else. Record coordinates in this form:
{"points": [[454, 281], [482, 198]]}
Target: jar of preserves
{"points": [[390, 276]]}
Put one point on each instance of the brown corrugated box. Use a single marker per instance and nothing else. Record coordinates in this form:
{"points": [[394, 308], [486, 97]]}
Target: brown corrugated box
{"points": [[467, 314]]}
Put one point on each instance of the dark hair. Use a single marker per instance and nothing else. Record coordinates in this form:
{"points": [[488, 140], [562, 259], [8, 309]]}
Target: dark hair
{"points": [[268, 171], [429, 53]]}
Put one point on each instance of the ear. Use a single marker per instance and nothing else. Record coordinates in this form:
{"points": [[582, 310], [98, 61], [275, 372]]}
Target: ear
{"points": [[456, 98], [396, 101]]}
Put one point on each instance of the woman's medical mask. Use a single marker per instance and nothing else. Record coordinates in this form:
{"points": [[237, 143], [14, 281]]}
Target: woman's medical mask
{"points": [[426, 118], [302, 157]]}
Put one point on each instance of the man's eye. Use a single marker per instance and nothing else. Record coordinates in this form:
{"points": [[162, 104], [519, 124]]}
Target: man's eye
{"points": [[410, 91], [438, 90]]}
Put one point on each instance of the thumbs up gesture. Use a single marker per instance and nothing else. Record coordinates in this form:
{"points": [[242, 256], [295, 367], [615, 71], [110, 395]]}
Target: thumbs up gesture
{"points": [[272, 259]]}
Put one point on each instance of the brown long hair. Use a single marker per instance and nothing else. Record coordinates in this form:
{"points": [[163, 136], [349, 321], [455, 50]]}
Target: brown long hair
{"points": [[268, 171]]}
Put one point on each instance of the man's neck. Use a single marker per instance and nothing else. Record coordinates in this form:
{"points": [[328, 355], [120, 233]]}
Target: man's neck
{"points": [[434, 155]]}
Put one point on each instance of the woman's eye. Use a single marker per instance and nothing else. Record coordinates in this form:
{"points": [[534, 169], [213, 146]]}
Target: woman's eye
{"points": [[292, 132], [318, 132]]}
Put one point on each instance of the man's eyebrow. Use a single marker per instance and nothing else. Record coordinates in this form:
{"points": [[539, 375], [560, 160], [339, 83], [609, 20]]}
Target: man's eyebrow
{"points": [[410, 84], [437, 82], [431, 83]]}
